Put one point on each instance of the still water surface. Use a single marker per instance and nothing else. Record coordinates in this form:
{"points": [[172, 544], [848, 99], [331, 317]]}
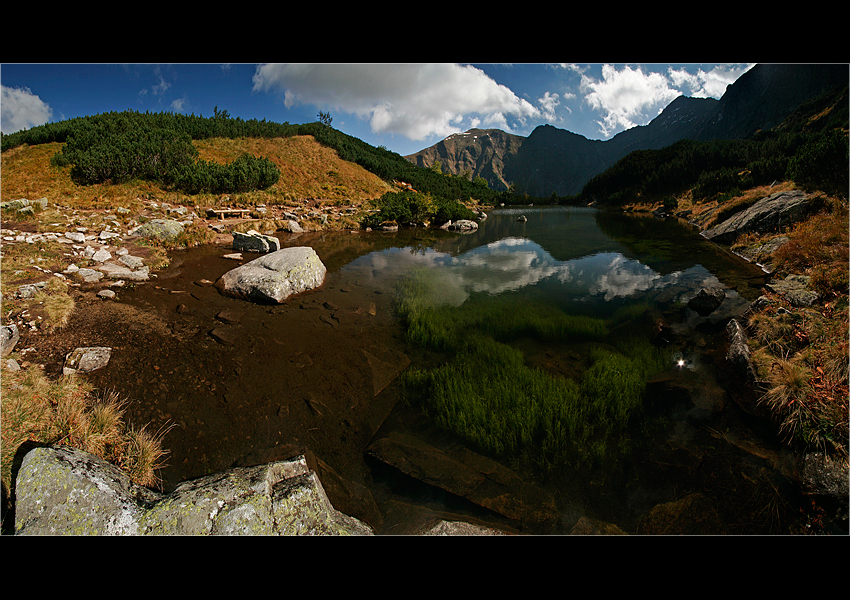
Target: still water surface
{"points": [[294, 381]]}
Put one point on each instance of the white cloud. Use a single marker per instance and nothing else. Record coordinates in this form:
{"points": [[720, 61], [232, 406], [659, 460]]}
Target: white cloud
{"points": [[160, 87], [548, 103], [711, 84], [179, 105], [627, 97], [22, 109], [414, 100]]}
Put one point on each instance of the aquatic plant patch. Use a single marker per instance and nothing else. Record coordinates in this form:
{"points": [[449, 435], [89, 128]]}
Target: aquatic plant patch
{"points": [[487, 394]]}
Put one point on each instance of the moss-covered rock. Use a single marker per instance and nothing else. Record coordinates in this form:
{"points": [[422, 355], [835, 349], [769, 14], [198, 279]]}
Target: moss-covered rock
{"points": [[63, 490]]}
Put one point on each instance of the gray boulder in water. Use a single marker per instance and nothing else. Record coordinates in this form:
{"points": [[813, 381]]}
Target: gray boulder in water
{"points": [[275, 277], [86, 359]]}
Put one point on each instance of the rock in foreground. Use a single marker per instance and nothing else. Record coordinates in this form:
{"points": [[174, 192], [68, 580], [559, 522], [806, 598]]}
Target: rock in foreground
{"points": [[67, 491], [275, 277], [768, 214]]}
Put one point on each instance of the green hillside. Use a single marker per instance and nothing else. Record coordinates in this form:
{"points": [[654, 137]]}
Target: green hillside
{"points": [[129, 146]]}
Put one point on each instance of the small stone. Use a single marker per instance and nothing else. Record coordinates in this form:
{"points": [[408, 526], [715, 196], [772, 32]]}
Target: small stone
{"points": [[86, 359], [108, 294], [101, 255], [75, 236], [134, 262]]}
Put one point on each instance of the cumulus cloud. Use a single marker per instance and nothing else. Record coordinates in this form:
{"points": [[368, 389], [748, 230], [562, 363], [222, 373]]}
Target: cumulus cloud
{"points": [[414, 100], [22, 109], [548, 103], [626, 97], [630, 96], [710, 84]]}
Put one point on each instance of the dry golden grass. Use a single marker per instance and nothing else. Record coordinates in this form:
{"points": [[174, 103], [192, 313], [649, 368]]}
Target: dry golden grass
{"points": [[66, 411], [819, 247], [307, 169], [27, 173], [144, 456], [803, 354]]}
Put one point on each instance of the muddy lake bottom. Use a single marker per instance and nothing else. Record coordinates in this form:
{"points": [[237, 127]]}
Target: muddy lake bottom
{"points": [[236, 384]]}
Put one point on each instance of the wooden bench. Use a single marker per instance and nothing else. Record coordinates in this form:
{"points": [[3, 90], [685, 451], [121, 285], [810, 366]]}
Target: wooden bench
{"points": [[221, 213]]}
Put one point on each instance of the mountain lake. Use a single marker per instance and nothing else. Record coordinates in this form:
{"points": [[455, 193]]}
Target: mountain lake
{"points": [[554, 293]]}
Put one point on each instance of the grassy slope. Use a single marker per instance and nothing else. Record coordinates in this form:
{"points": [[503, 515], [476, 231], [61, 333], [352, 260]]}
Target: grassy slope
{"points": [[308, 170]]}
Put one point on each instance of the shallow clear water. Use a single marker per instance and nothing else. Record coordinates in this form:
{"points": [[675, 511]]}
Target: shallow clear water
{"points": [[316, 374]]}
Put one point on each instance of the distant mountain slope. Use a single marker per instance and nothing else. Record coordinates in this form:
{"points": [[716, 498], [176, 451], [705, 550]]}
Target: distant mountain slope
{"points": [[478, 152], [764, 96], [552, 160]]}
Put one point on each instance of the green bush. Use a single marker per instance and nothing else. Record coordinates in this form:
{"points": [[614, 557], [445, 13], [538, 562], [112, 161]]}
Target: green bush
{"points": [[450, 210], [120, 147], [244, 174], [408, 207]]}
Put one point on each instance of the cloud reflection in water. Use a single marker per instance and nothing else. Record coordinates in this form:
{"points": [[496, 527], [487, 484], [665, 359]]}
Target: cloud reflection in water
{"points": [[514, 263]]}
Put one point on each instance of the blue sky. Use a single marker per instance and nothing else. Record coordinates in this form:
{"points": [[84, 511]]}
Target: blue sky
{"points": [[403, 107]]}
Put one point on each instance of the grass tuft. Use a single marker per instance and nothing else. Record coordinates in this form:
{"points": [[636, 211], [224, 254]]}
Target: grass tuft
{"points": [[66, 411], [143, 456]]}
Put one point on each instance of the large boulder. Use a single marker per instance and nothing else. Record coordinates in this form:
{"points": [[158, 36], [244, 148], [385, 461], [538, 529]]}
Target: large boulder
{"points": [[766, 215], [161, 229], [67, 491], [795, 289], [463, 225], [275, 277]]}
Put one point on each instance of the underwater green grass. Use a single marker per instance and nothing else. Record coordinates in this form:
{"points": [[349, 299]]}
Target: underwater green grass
{"points": [[487, 394]]}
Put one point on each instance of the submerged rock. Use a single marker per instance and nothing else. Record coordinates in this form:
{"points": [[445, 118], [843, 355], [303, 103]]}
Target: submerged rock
{"points": [[467, 475], [692, 515], [275, 276], [707, 301]]}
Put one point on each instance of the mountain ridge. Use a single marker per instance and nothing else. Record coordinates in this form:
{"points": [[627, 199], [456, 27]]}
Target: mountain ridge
{"points": [[556, 161], [476, 152]]}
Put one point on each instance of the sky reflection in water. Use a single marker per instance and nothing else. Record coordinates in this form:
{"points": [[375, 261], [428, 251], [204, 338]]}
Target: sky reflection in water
{"points": [[514, 263]]}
